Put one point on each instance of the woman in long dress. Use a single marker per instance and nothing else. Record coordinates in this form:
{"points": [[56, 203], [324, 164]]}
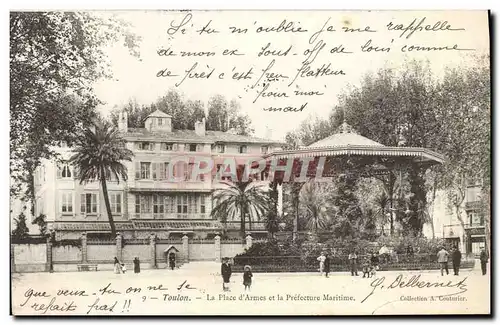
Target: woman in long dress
{"points": [[117, 266]]}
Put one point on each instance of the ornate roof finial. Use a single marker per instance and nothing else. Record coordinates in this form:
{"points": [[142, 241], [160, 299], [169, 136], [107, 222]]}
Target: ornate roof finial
{"points": [[346, 128]]}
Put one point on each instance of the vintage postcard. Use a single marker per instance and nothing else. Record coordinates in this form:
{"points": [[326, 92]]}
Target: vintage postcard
{"points": [[250, 162]]}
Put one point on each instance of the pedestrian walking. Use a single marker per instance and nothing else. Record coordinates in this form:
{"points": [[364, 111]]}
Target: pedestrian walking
{"points": [[321, 260], [353, 262], [117, 266], [226, 272], [483, 257], [456, 257], [326, 264], [442, 257], [137, 265], [247, 277]]}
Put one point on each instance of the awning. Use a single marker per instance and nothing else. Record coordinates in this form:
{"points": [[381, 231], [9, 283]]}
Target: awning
{"points": [[420, 153], [169, 190]]}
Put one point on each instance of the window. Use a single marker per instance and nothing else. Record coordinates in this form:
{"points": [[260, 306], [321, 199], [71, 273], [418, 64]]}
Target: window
{"points": [[476, 219], [145, 204], [137, 204], [67, 203], [242, 149], [64, 171], [158, 204], [88, 203], [116, 202], [164, 171], [165, 146], [264, 149], [145, 170], [169, 202], [160, 121], [145, 146], [220, 148], [199, 147], [202, 203], [192, 147], [192, 206], [182, 204]]}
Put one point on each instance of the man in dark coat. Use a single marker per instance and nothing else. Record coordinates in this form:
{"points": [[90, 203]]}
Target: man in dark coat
{"points": [[137, 265], [456, 257], [171, 260], [326, 265], [225, 270], [483, 257]]}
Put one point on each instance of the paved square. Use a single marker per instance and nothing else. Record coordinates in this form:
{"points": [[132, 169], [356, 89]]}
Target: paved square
{"points": [[196, 289]]}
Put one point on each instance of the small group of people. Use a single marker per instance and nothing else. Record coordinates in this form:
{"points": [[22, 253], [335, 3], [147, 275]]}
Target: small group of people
{"points": [[443, 257], [120, 268], [226, 273], [324, 264], [370, 264]]}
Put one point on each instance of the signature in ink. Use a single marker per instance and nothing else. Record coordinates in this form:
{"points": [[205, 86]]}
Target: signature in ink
{"points": [[400, 282]]}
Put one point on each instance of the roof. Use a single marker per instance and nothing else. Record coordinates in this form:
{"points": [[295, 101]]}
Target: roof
{"points": [[159, 113], [169, 248], [346, 137], [191, 136], [347, 142]]}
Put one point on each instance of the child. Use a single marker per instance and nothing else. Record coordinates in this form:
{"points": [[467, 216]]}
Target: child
{"points": [[367, 268], [124, 269], [247, 277]]}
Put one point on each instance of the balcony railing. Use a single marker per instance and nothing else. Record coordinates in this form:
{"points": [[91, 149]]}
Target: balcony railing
{"points": [[474, 226], [162, 216]]}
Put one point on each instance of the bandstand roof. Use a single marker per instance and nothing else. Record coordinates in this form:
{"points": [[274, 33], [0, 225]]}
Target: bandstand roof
{"points": [[348, 143]]}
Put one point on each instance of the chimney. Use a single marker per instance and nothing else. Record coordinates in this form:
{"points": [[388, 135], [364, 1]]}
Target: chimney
{"points": [[123, 121], [199, 128]]}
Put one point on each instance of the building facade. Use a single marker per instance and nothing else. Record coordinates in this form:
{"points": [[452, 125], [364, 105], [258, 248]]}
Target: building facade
{"points": [[469, 236], [150, 201]]}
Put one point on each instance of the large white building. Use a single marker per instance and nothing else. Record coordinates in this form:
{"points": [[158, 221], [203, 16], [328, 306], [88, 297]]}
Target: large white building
{"points": [[470, 236], [148, 202]]}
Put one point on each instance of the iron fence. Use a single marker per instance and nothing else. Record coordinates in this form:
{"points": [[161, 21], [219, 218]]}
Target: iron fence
{"points": [[341, 263]]}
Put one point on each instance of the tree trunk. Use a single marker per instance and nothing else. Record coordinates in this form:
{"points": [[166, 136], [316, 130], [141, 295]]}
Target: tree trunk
{"points": [[242, 221], [392, 182], [295, 197], [108, 205], [431, 212]]}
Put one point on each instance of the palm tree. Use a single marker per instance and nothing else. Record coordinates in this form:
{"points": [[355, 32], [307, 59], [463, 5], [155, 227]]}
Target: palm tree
{"points": [[314, 206], [382, 201], [98, 155], [243, 200]]}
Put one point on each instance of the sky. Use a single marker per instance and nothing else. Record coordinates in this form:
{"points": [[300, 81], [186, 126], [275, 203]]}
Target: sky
{"points": [[136, 78]]}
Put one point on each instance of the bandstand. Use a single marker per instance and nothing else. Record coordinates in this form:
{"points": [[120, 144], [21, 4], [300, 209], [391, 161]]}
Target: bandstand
{"points": [[348, 154]]}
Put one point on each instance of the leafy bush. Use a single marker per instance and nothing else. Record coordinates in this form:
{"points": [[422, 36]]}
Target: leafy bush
{"points": [[42, 223], [21, 231]]}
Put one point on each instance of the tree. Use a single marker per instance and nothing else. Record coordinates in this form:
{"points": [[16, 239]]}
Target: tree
{"points": [[98, 155], [41, 221], [21, 229], [222, 116], [272, 222], [54, 59], [314, 206], [240, 201]]}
